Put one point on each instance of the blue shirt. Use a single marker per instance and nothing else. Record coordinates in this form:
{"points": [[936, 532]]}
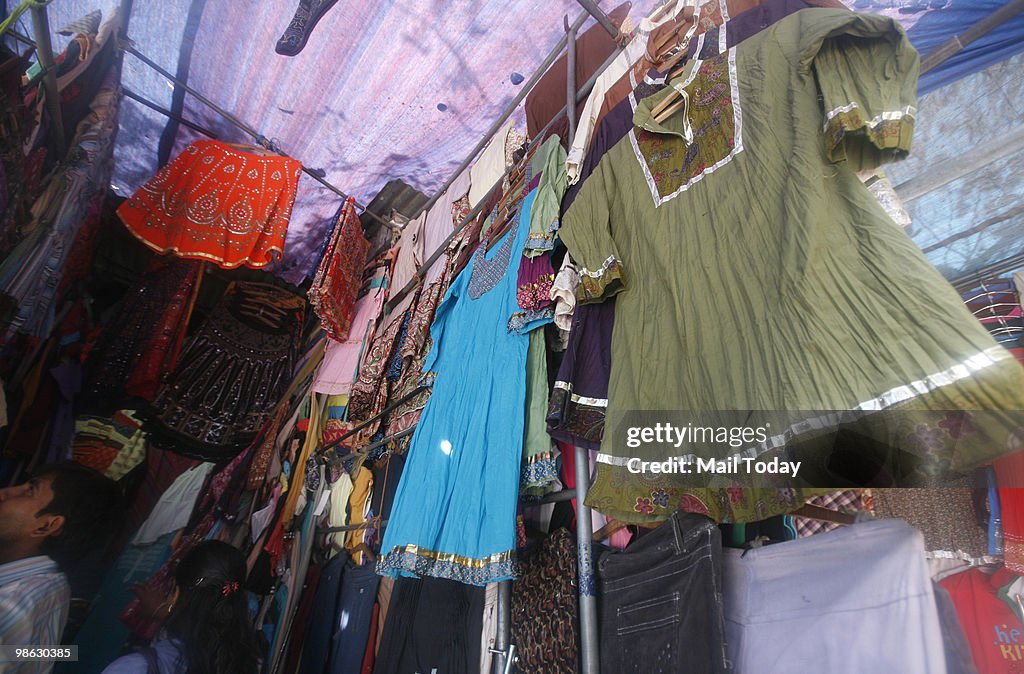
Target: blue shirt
{"points": [[34, 601]]}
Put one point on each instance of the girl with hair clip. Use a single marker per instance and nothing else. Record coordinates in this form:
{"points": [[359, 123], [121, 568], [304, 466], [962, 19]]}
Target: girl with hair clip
{"points": [[207, 628]]}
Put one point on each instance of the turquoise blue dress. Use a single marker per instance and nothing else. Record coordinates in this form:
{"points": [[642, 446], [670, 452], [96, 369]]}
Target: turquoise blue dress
{"points": [[455, 509]]}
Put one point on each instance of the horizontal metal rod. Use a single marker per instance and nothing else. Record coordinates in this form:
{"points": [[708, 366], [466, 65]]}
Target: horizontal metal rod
{"points": [[167, 113], [602, 18], [968, 281], [257, 136], [21, 38], [353, 527], [418, 276], [401, 401], [503, 117], [554, 497]]}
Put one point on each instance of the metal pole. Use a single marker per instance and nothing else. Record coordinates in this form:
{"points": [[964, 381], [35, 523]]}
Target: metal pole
{"points": [[509, 109], [955, 44], [167, 113], [44, 52], [602, 18], [570, 78], [585, 561], [260, 139], [556, 497], [125, 15], [503, 637], [418, 276]]}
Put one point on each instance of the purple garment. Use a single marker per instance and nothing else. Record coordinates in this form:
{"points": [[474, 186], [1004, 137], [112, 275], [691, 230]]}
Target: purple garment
{"points": [[578, 403], [576, 410], [535, 277], [69, 383]]}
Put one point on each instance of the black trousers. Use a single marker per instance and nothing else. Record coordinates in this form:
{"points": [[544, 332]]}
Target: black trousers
{"points": [[661, 601]]}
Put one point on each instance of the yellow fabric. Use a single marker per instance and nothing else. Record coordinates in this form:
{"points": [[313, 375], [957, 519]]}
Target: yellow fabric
{"points": [[357, 501]]}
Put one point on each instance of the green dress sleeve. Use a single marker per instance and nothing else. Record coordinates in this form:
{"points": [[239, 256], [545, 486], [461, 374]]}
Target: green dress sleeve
{"points": [[868, 86], [586, 232]]}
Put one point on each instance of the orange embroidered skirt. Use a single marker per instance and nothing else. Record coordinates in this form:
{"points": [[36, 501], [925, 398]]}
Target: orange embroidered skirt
{"points": [[216, 203]]}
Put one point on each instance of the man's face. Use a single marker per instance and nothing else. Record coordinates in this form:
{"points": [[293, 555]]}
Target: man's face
{"points": [[20, 507]]}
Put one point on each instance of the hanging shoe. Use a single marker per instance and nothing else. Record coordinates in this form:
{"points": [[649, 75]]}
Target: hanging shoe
{"points": [[306, 17]]}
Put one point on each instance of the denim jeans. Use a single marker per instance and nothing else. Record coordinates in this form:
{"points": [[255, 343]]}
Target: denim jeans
{"points": [[352, 618], [661, 601]]}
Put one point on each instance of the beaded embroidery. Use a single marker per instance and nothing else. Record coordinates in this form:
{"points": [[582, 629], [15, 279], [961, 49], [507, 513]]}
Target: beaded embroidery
{"points": [[487, 273]]}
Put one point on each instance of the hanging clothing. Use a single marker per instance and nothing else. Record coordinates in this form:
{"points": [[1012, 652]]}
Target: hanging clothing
{"points": [[867, 582], [173, 510], [545, 611], [215, 203], [1011, 507], [674, 278], [946, 518], [490, 165], [991, 627], [231, 376], [142, 340], [341, 358], [581, 389], [440, 221], [549, 163], [661, 602], [31, 274], [336, 284], [470, 451], [539, 472], [432, 625]]}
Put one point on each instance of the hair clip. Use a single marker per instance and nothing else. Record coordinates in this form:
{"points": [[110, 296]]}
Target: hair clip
{"points": [[229, 589]]}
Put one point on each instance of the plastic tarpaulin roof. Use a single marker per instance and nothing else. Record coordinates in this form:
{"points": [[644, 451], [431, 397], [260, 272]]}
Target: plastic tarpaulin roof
{"points": [[388, 89]]}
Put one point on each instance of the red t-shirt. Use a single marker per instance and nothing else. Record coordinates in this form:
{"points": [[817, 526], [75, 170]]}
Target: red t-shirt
{"points": [[993, 630]]}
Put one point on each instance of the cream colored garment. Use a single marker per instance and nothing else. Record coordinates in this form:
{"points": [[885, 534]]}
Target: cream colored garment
{"points": [[563, 292], [341, 490], [489, 167]]}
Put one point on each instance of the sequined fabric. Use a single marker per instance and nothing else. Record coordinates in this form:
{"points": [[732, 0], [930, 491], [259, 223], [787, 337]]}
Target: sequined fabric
{"points": [[230, 377], [336, 284], [218, 204]]}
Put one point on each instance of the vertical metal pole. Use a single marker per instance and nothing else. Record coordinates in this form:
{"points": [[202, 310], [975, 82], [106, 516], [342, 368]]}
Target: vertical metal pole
{"points": [[585, 561], [584, 523], [44, 51], [570, 78], [502, 640], [125, 15]]}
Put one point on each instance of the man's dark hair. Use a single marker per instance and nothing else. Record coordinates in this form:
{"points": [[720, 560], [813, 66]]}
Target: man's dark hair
{"points": [[92, 506]]}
